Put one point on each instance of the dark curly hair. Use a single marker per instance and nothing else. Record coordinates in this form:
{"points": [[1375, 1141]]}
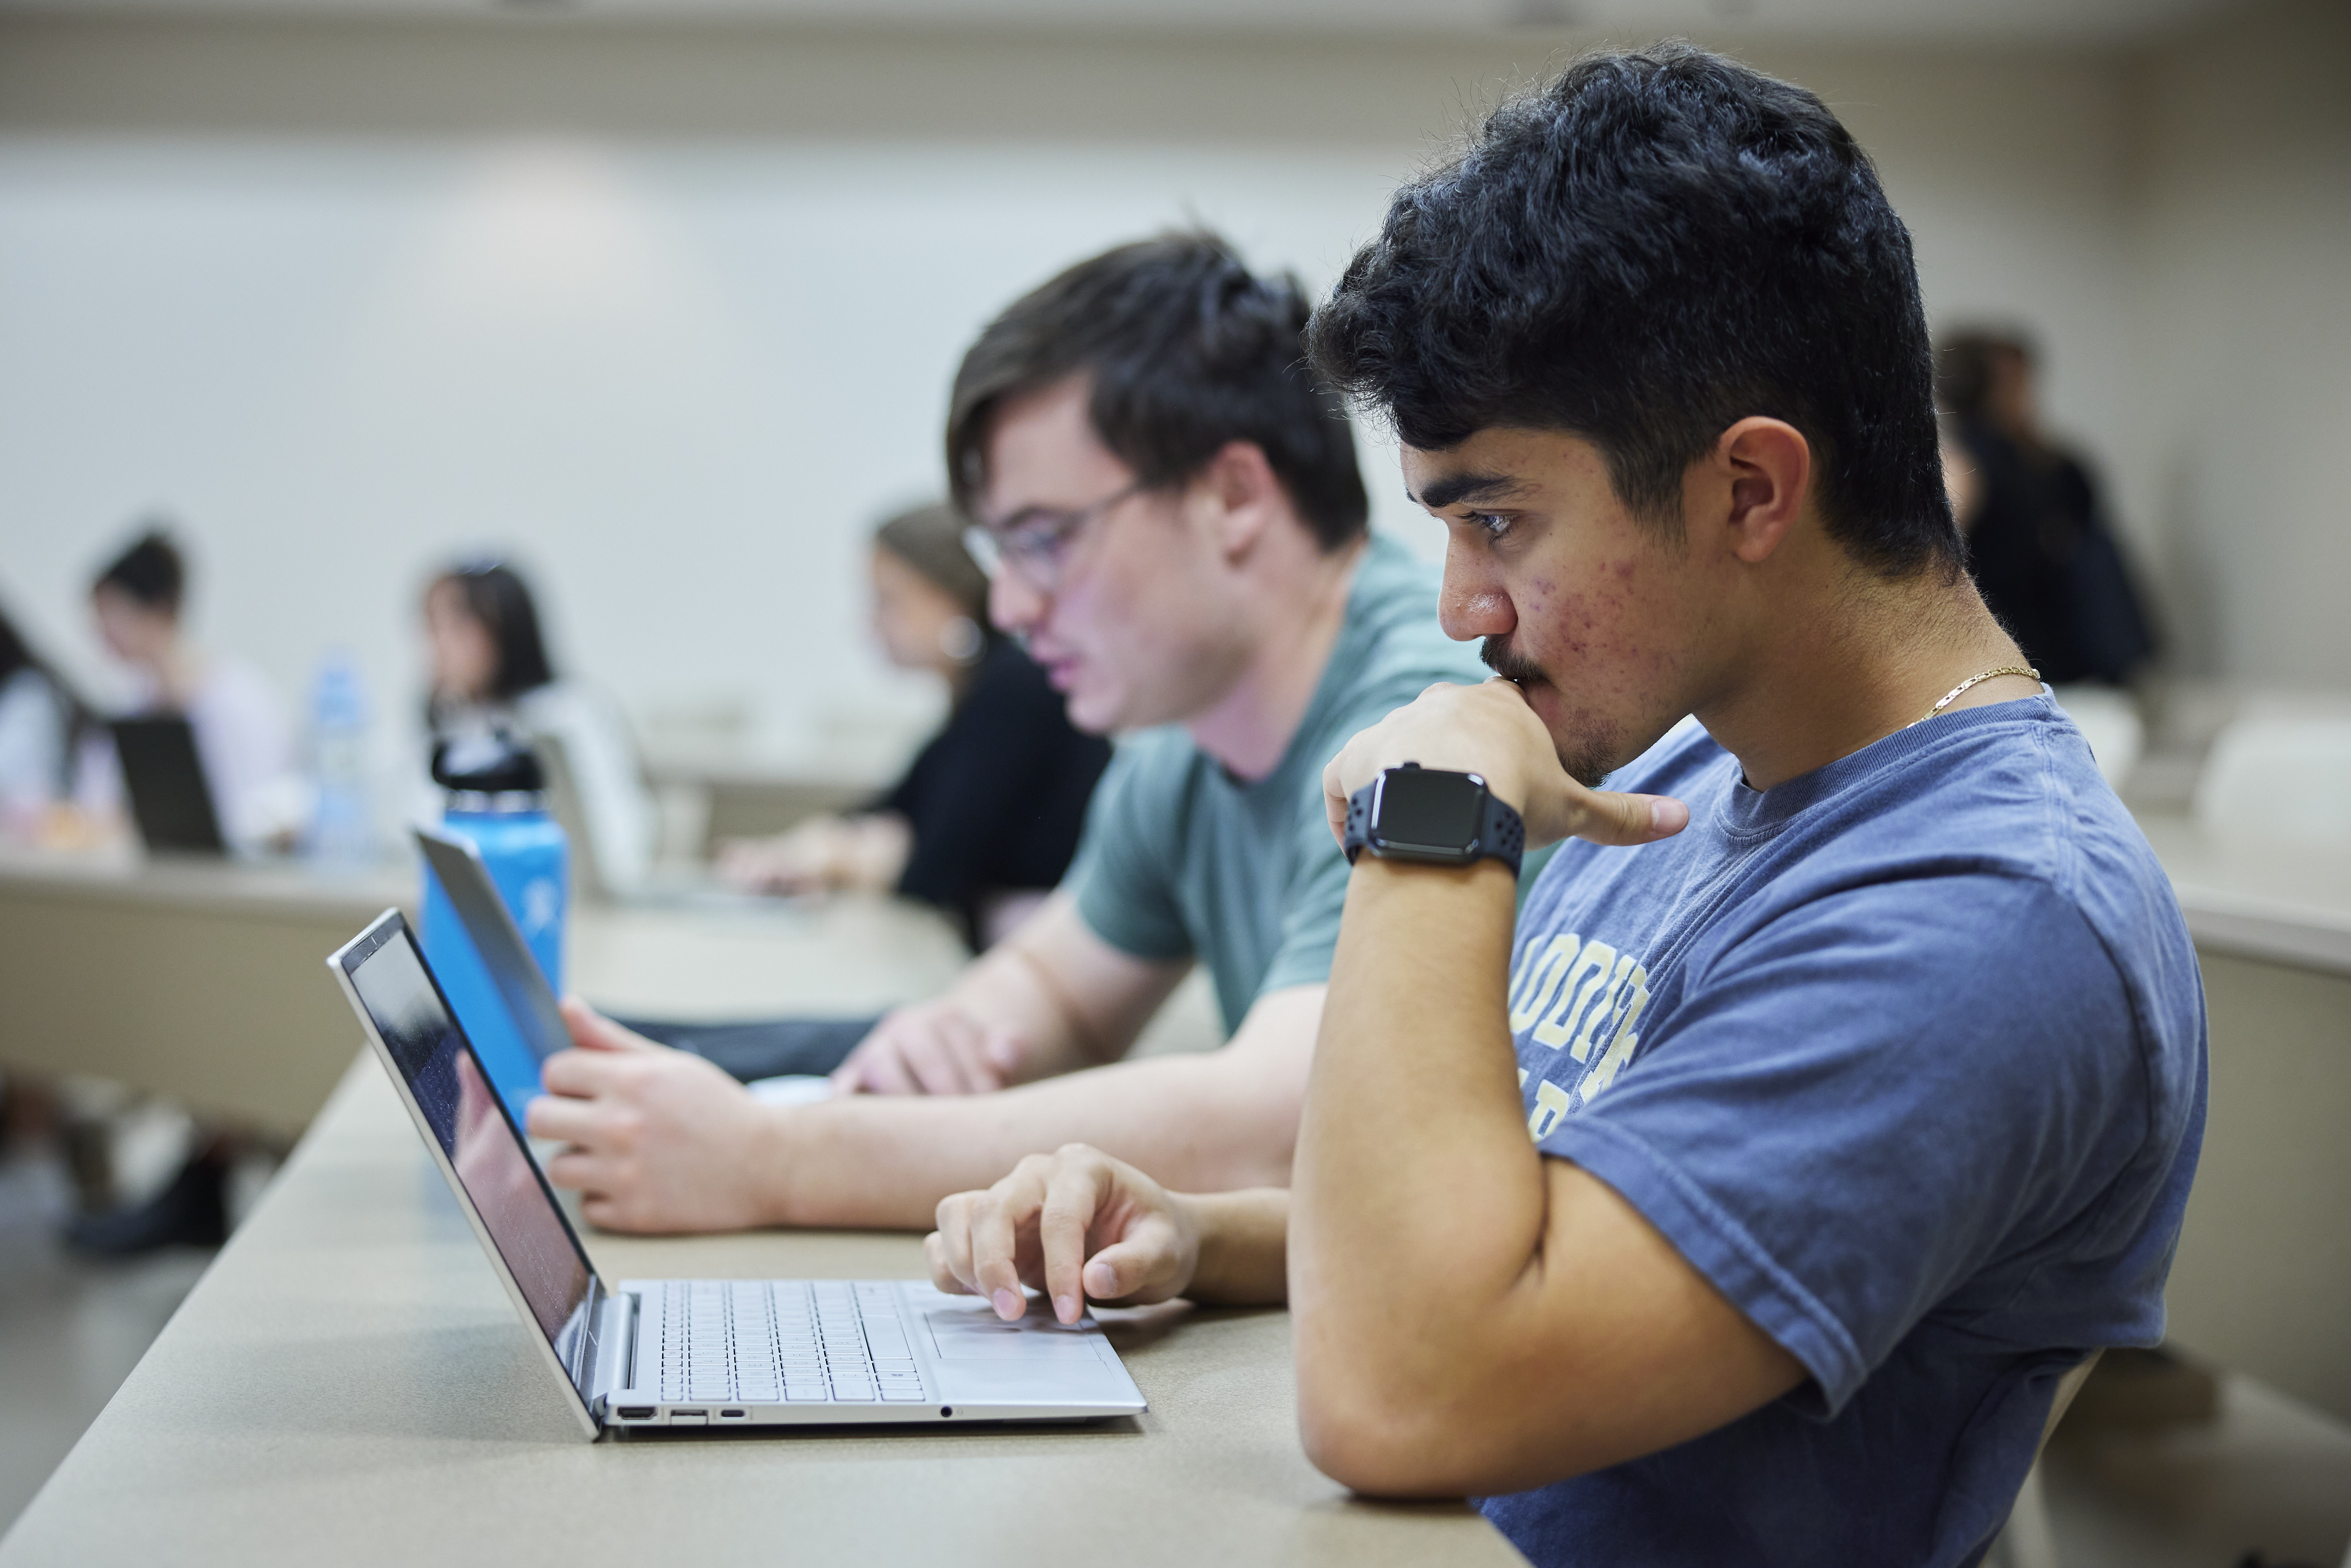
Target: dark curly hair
{"points": [[1654, 245], [1188, 350]]}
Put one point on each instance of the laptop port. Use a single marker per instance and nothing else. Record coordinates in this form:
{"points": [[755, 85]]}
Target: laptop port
{"points": [[636, 1412], [732, 1414], [689, 1414]]}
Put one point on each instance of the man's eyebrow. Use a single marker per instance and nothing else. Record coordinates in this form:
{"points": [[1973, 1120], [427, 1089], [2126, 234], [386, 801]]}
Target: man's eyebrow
{"points": [[1455, 488]]}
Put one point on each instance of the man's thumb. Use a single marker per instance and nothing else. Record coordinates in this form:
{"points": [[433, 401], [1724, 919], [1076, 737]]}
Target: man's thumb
{"points": [[1614, 819]]}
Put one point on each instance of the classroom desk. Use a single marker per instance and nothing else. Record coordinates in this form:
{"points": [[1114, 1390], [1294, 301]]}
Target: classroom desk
{"points": [[2264, 1261], [194, 977], [347, 1385], [204, 980]]}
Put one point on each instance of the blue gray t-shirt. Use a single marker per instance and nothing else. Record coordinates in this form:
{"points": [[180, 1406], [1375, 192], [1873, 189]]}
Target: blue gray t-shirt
{"points": [[1906, 1056]]}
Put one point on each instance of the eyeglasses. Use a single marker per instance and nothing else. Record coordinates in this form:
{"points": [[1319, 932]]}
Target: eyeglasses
{"points": [[1034, 543]]}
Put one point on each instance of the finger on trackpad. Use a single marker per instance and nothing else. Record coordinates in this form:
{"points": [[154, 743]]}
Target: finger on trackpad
{"points": [[983, 1337]]}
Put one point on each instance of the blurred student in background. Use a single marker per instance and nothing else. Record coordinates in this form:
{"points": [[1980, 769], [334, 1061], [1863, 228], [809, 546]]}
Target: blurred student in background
{"points": [[245, 744], [985, 820], [244, 740], [42, 726], [2039, 545], [490, 669]]}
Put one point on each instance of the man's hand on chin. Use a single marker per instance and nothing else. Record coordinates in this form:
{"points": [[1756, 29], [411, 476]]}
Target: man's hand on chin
{"points": [[1489, 730], [660, 1139]]}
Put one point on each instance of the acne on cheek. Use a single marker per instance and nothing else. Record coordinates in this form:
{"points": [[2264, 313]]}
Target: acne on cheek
{"points": [[1575, 615]]}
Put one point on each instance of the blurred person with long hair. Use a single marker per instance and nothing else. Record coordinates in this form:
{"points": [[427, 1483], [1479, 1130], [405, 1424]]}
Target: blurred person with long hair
{"points": [[490, 669], [985, 819], [44, 724]]}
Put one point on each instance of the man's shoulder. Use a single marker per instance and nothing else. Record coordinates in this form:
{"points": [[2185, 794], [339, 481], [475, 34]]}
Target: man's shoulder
{"points": [[2009, 797]]}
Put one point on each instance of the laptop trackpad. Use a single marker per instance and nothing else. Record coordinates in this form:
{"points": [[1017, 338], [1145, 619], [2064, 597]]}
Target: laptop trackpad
{"points": [[982, 1335]]}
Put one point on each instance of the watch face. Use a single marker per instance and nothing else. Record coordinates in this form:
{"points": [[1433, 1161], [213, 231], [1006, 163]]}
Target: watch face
{"points": [[1426, 809]]}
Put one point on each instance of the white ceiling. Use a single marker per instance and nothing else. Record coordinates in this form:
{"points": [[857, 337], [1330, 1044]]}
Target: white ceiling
{"points": [[1979, 21]]}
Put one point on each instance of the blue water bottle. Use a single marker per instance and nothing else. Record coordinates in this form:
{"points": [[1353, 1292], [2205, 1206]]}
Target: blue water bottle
{"points": [[342, 830], [498, 798]]}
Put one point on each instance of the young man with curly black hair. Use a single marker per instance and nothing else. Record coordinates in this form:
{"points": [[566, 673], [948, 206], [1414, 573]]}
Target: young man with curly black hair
{"points": [[1749, 1197]]}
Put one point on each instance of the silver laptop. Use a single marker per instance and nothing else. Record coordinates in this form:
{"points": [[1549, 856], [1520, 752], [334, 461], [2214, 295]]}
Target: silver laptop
{"points": [[702, 1353]]}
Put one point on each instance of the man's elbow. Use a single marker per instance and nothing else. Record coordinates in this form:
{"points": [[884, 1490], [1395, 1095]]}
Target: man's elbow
{"points": [[1374, 1436]]}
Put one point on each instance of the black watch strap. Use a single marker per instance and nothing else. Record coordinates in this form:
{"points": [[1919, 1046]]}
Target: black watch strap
{"points": [[1501, 831], [1504, 831]]}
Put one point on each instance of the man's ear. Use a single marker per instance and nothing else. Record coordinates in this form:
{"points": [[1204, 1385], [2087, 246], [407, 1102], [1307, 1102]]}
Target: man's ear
{"points": [[1758, 480], [1242, 494]]}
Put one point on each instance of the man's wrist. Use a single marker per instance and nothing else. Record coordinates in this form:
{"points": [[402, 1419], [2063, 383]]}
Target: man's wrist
{"points": [[1442, 816], [1480, 873], [783, 1135], [1239, 1245]]}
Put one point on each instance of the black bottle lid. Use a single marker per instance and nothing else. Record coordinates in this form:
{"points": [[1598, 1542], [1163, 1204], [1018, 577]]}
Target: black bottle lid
{"points": [[490, 762]]}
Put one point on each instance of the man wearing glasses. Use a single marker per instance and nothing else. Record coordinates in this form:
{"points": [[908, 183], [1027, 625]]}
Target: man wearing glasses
{"points": [[1172, 518]]}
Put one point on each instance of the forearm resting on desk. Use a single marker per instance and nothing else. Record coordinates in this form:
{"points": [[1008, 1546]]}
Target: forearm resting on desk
{"points": [[1051, 999], [1209, 1122]]}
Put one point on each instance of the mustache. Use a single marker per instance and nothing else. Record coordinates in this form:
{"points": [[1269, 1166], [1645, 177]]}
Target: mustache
{"points": [[1495, 654]]}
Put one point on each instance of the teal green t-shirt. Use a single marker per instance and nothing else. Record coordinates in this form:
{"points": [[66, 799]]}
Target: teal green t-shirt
{"points": [[1182, 860]]}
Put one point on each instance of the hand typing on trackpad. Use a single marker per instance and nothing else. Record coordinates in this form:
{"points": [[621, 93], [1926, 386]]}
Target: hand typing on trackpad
{"points": [[983, 1337]]}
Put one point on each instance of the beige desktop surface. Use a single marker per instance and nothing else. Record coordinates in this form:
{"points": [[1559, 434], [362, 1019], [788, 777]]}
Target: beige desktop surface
{"points": [[349, 1385], [204, 980]]}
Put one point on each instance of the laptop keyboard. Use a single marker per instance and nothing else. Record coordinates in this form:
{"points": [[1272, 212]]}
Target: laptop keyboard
{"points": [[785, 1340]]}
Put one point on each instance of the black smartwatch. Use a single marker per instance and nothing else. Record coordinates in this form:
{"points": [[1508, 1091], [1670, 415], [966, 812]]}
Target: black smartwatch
{"points": [[1416, 814]]}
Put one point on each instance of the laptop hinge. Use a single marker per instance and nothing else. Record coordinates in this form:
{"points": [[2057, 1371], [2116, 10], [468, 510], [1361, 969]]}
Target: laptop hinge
{"points": [[614, 1364], [585, 1359]]}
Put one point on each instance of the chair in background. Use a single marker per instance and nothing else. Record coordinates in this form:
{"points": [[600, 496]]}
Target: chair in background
{"points": [[2279, 776], [2108, 719]]}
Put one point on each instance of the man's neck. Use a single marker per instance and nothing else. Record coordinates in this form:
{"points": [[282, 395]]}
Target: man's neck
{"points": [[1250, 727], [1864, 659]]}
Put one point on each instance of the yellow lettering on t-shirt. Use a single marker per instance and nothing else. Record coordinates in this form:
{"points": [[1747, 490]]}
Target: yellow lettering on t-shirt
{"points": [[1589, 972], [1551, 1104], [1539, 976], [1620, 1050], [1603, 1011]]}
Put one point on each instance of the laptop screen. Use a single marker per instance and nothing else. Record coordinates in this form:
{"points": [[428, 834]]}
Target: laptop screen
{"points": [[529, 1000], [489, 1155]]}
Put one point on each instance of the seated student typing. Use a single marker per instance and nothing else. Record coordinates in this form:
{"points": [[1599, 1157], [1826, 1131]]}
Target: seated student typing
{"points": [[985, 819], [1177, 525], [1859, 1102]]}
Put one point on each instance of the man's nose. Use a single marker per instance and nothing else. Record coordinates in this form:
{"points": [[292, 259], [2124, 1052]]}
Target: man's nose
{"points": [[1472, 605], [1012, 603]]}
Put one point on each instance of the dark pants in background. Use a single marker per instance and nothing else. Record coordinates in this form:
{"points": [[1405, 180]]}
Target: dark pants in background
{"points": [[766, 1048]]}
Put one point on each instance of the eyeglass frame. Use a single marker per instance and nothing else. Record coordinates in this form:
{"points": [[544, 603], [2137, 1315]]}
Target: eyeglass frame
{"points": [[1039, 563]]}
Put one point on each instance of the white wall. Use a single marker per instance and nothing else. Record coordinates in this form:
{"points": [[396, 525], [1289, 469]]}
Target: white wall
{"points": [[677, 381], [2240, 207], [670, 311]]}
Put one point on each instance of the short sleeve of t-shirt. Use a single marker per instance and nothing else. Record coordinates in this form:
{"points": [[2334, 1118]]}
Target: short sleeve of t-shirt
{"points": [[1839, 1160], [1128, 859], [1310, 908]]}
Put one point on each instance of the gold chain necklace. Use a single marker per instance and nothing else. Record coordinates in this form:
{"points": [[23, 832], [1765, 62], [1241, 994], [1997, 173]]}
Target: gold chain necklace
{"points": [[1952, 696]]}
